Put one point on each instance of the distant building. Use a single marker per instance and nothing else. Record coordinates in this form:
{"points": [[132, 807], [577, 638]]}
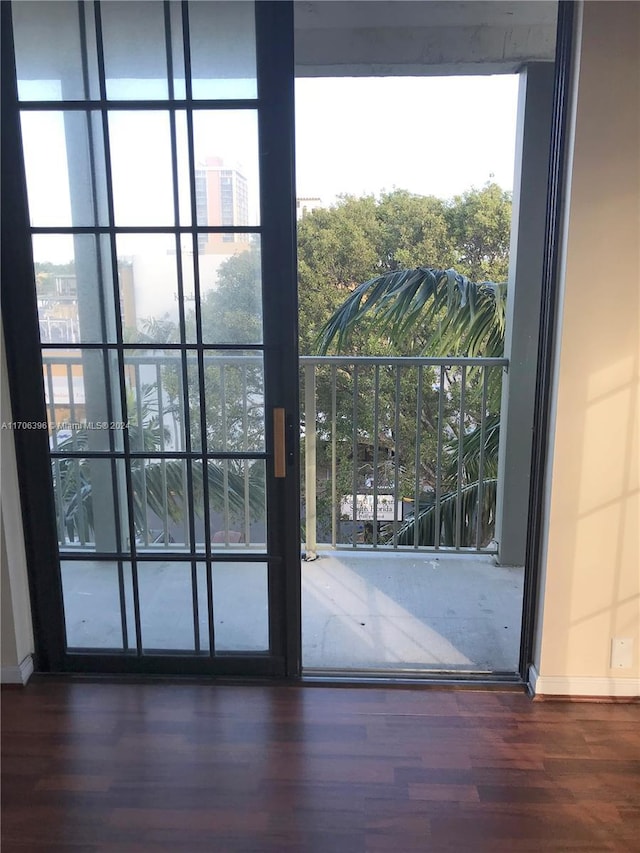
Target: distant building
{"points": [[222, 198], [58, 308], [306, 204]]}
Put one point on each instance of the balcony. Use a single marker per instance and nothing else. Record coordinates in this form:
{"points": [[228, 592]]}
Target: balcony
{"points": [[381, 592], [398, 511]]}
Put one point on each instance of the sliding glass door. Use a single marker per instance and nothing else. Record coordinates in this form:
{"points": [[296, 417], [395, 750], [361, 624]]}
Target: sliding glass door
{"points": [[157, 150]]}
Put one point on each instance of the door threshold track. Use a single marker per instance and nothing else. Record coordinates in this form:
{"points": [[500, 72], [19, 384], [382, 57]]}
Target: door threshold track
{"points": [[413, 678]]}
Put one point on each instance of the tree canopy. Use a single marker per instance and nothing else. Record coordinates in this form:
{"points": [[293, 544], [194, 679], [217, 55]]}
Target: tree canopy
{"points": [[343, 252], [352, 242], [361, 238], [391, 288]]}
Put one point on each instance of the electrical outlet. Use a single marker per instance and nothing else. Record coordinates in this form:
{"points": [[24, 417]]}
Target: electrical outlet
{"points": [[621, 652]]}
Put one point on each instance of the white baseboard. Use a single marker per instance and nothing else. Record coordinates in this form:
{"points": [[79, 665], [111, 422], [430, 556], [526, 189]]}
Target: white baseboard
{"points": [[17, 674], [554, 685]]}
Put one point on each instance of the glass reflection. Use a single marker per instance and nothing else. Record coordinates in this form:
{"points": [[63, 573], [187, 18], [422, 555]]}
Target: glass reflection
{"points": [[48, 57], [234, 401], [149, 297], [64, 166], [226, 163], [86, 496], [74, 287], [229, 267], [134, 50], [79, 407], [155, 401], [223, 50], [141, 168]]}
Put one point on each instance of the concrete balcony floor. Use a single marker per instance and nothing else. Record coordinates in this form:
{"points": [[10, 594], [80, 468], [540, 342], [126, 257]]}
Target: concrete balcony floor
{"points": [[421, 611], [360, 610]]}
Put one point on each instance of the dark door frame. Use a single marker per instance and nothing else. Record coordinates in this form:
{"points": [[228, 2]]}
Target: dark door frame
{"points": [[546, 338]]}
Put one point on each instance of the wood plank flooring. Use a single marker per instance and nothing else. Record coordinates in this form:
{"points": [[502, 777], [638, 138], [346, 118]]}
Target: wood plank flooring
{"points": [[190, 767]]}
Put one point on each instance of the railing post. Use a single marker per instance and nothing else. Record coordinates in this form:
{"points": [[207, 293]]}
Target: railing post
{"points": [[311, 545]]}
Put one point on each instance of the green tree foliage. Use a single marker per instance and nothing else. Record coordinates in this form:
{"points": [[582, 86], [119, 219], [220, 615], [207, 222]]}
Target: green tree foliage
{"points": [[357, 241], [231, 310], [479, 222], [426, 310], [433, 311], [231, 313], [359, 238]]}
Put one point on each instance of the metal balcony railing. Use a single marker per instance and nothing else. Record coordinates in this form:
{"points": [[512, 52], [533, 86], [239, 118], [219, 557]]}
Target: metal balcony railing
{"points": [[383, 440], [164, 403], [396, 437]]}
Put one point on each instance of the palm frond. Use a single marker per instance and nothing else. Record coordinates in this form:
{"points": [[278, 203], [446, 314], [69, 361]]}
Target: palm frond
{"points": [[472, 451], [72, 482], [368, 296], [475, 499], [469, 317], [160, 486]]}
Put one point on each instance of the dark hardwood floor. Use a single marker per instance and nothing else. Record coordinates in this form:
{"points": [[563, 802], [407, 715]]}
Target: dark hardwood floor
{"points": [[194, 767]]}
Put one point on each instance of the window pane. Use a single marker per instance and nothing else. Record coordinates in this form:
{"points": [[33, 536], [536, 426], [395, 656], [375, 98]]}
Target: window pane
{"points": [[86, 495], [48, 58], [141, 168], [240, 606], [65, 176], [155, 400], [237, 500], [135, 56], [80, 412], [234, 401], [177, 49], [230, 289], [226, 157], [166, 606], [74, 286], [223, 51], [91, 595], [148, 278], [161, 502]]}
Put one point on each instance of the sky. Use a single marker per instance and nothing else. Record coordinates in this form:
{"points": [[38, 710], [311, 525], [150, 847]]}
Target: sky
{"points": [[430, 135]]}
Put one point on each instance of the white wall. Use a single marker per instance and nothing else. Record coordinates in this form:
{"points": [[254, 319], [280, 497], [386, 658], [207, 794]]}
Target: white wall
{"points": [[591, 584], [16, 634]]}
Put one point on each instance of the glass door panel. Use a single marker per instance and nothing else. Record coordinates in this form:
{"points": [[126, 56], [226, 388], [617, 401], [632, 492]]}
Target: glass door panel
{"points": [[161, 359]]}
